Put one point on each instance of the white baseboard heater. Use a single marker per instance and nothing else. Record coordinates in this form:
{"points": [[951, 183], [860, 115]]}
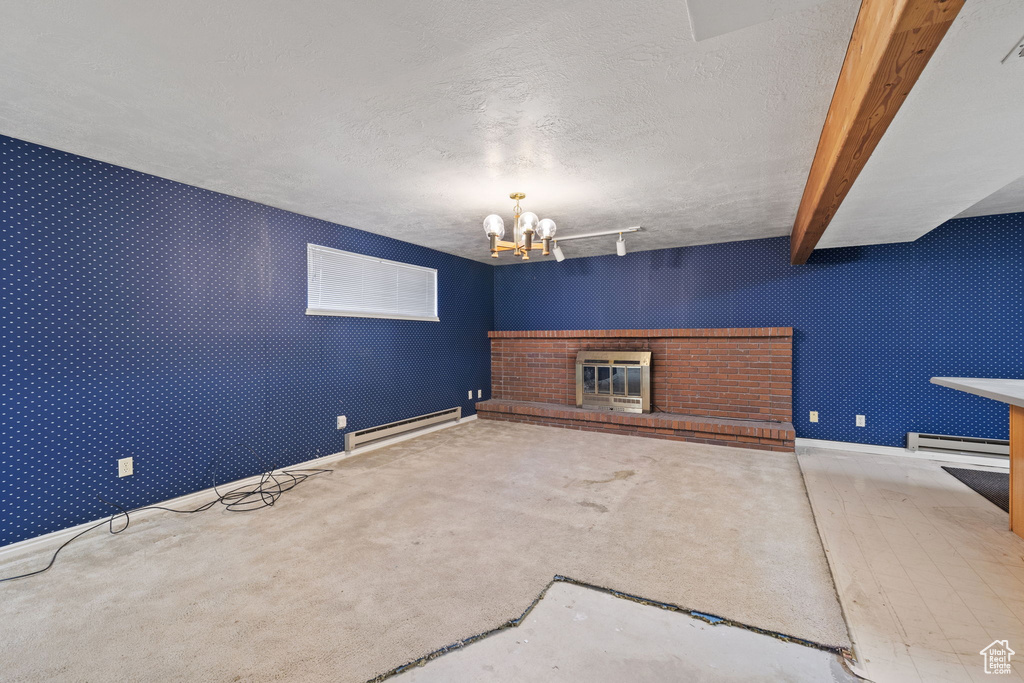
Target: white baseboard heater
{"points": [[957, 444], [365, 436]]}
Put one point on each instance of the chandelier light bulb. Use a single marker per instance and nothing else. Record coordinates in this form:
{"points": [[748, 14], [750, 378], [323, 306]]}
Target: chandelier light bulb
{"points": [[494, 228], [493, 225], [546, 229], [528, 222], [527, 226]]}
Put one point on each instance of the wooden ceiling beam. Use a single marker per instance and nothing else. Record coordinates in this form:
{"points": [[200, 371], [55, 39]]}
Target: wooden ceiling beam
{"points": [[891, 44]]}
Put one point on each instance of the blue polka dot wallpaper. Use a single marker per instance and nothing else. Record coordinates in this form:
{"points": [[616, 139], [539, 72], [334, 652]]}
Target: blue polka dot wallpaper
{"points": [[147, 318], [871, 324]]}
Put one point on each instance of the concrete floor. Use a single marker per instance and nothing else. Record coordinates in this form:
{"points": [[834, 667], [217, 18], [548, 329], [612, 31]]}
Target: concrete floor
{"points": [[578, 634], [406, 549]]}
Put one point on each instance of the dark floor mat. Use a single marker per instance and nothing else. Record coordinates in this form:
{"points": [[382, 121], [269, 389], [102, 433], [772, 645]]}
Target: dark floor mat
{"points": [[995, 486]]}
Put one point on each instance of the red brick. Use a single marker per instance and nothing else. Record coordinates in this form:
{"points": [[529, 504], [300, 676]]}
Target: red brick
{"points": [[727, 373], [765, 435]]}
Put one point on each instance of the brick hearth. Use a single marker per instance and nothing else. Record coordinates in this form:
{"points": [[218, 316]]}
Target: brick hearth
{"points": [[729, 386]]}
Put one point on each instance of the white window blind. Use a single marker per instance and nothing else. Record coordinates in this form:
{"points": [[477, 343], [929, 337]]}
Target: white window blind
{"points": [[343, 283]]}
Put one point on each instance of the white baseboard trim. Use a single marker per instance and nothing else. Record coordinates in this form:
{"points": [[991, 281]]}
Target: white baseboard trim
{"points": [[979, 460], [61, 535]]}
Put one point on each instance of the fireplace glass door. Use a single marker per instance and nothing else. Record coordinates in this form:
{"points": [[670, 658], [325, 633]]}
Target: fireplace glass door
{"points": [[614, 380]]}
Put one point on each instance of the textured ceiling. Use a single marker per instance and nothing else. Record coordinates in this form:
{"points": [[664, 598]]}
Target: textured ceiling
{"points": [[958, 138], [416, 119]]}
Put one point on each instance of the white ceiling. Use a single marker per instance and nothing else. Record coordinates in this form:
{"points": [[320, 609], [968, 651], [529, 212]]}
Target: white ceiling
{"points": [[1008, 199], [958, 138], [710, 18], [416, 119]]}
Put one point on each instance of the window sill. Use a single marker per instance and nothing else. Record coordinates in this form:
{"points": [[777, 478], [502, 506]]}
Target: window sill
{"points": [[346, 314]]}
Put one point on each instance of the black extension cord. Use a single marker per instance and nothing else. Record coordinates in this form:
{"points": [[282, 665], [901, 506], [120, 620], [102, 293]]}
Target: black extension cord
{"points": [[247, 498]]}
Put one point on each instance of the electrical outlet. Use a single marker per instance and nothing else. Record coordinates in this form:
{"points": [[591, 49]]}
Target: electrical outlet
{"points": [[861, 421], [479, 393], [342, 422], [124, 467], [470, 392], [814, 416]]}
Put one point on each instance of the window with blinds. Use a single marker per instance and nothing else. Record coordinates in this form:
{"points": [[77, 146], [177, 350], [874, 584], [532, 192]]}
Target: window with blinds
{"points": [[343, 283]]}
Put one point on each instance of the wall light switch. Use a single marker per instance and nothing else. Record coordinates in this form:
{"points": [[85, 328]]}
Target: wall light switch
{"points": [[479, 393], [124, 467], [342, 422], [814, 416], [470, 392], [861, 421]]}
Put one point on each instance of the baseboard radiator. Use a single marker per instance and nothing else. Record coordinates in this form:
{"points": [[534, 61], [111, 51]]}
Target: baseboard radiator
{"points": [[371, 434], [957, 444]]}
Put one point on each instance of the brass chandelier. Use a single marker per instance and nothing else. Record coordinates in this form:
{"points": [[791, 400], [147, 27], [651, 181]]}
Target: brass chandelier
{"points": [[526, 227]]}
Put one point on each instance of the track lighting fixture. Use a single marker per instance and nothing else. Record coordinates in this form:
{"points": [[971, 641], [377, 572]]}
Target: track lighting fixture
{"points": [[620, 246], [557, 251]]}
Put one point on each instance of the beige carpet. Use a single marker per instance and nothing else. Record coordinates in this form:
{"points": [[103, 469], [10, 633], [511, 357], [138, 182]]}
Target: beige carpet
{"points": [[409, 548]]}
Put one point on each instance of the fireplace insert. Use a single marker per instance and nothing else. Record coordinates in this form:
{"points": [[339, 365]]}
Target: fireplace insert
{"points": [[614, 380]]}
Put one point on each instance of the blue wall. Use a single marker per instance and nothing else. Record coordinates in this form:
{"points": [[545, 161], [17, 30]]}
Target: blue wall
{"points": [[872, 324], [147, 318]]}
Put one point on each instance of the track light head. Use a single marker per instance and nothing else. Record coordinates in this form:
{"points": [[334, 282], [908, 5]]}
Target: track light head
{"points": [[620, 246], [557, 251]]}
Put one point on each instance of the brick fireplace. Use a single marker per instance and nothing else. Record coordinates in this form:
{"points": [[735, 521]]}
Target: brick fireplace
{"points": [[730, 386]]}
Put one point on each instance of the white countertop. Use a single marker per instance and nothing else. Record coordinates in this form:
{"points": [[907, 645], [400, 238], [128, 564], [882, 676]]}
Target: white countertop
{"points": [[1006, 390]]}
